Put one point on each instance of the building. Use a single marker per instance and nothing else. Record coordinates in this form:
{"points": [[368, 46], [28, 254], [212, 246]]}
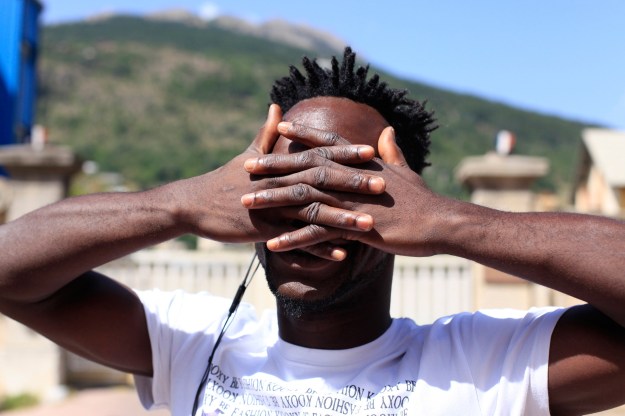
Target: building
{"points": [[600, 181]]}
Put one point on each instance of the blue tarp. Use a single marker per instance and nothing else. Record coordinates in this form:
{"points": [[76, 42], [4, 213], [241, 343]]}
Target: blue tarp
{"points": [[19, 34]]}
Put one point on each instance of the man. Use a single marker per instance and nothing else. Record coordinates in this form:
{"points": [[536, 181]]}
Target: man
{"points": [[332, 217]]}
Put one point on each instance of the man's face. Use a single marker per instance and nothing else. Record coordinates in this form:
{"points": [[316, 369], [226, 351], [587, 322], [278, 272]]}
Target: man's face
{"points": [[306, 283]]}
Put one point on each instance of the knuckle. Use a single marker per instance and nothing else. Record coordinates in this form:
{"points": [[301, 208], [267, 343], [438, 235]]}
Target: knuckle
{"points": [[312, 212], [315, 232], [288, 239], [264, 196], [331, 138], [323, 152], [344, 220], [304, 158], [356, 181], [321, 176], [298, 129], [272, 182], [300, 192], [267, 162], [348, 152]]}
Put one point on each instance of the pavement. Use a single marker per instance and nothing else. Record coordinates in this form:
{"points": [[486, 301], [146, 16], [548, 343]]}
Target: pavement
{"points": [[113, 401], [123, 401]]}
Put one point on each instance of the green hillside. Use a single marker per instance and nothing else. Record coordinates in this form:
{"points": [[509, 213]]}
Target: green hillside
{"points": [[158, 101]]}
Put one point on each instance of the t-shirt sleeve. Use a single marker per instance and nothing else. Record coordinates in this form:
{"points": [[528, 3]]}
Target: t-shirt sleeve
{"points": [[178, 323], [508, 355]]}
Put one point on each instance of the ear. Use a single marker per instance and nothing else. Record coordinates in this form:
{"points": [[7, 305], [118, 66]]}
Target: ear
{"points": [[268, 134], [388, 149]]}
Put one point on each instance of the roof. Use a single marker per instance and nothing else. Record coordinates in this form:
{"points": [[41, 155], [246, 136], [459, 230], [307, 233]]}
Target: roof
{"points": [[495, 171], [606, 148]]}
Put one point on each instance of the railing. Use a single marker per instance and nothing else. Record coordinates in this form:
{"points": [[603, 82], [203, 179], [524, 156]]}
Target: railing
{"points": [[427, 288], [423, 288]]}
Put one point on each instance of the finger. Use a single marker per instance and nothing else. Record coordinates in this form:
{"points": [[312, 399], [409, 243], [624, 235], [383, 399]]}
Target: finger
{"points": [[304, 237], [328, 178], [319, 156], [268, 133], [294, 195], [299, 194], [309, 136], [326, 251], [340, 180], [388, 148], [321, 214]]}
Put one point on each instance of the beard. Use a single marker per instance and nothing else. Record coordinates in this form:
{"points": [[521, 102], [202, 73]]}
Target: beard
{"points": [[344, 295]]}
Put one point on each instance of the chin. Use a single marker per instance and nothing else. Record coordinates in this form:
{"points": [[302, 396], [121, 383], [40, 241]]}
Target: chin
{"points": [[310, 301], [305, 284], [297, 298]]}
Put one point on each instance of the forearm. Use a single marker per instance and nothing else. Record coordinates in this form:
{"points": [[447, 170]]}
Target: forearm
{"points": [[46, 249], [581, 255]]}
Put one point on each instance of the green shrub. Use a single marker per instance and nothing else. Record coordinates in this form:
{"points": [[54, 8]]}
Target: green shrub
{"points": [[18, 401]]}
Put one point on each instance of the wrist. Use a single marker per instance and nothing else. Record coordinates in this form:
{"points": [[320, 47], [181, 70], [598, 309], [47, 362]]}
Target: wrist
{"points": [[461, 226], [170, 209], [189, 201]]}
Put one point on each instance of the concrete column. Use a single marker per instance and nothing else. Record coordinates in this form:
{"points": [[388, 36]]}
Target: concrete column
{"points": [[37, 176], [503, 182]]}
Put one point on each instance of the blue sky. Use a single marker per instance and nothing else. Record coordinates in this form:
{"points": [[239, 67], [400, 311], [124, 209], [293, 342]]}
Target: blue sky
{"points": [[560, 57]]}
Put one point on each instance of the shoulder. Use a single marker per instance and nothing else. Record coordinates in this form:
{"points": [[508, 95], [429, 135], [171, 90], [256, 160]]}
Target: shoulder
{"points": [[190, 312], [502, 319], [495, 331], [154, 299], [504, 351]]}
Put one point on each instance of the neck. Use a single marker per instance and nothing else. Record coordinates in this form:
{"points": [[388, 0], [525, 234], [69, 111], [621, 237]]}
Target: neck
{"points": [[348, 324]]}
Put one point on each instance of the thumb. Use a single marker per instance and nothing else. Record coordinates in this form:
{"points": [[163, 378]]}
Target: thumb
{"points": [[388, 149], [268, 133]]}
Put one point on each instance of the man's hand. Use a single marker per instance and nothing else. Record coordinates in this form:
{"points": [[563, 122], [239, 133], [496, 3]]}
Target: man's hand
{"points": [[404, 214], [221, 216]]}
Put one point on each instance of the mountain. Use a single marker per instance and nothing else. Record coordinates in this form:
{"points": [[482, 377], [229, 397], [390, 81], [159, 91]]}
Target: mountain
{"points": [[299, 36], [167, 96], [277, 30]]}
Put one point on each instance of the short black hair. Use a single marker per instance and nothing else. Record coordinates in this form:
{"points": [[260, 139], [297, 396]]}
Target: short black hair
{"points": [[412, 123]]}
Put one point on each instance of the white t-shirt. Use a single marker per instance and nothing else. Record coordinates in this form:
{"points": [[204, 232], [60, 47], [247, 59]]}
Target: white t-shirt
{"points": [[483, 363]]}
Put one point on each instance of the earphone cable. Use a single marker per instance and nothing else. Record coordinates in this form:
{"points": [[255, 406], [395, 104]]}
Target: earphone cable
{"points": [[249, 275]]}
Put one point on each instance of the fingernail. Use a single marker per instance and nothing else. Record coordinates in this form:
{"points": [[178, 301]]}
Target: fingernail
{"points": [[377, 184], [283, 127], [366, 152], [250, 164], [364, 222], [273, 244], [247, 200], [338, 254]]}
